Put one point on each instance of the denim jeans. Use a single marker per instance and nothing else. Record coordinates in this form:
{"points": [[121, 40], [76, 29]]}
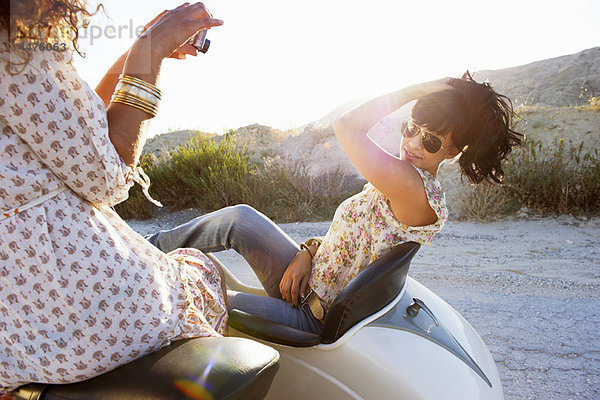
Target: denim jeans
{"points": [[266, 248]]}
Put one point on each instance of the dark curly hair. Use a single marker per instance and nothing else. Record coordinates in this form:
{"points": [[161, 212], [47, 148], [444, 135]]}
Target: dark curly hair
{"points": [[44, 20], [480, 121]]}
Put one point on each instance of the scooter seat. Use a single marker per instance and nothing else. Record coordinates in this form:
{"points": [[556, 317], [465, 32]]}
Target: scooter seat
{"points": [[370, 290], [201, 368]]}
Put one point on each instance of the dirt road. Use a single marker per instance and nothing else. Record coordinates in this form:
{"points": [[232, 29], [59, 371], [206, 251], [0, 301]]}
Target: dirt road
{"points": [[530, 287]]}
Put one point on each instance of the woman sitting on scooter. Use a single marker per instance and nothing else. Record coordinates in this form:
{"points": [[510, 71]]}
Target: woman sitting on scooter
{"points": [[81, 293], [403, 201]]}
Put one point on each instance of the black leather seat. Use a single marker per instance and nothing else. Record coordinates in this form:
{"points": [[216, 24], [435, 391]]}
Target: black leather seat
{"points": [[371, 290], [202, 368]]}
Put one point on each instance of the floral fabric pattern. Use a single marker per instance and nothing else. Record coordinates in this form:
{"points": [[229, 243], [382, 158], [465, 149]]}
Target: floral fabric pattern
{"points": [[80, 292], [363, 227]]}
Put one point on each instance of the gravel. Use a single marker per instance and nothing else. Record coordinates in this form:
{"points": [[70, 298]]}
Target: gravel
{"points": [[529, 286]]}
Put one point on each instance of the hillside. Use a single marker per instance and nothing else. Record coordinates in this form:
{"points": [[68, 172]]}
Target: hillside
{"points": [[560, 81], [553, 84]]}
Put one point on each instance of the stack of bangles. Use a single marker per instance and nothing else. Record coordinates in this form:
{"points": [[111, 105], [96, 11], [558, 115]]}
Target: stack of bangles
{"points": [[137, 93], [306, 245]]}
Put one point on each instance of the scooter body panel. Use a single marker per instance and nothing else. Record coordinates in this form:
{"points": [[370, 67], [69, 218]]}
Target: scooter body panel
{"points": [[390, 362]]}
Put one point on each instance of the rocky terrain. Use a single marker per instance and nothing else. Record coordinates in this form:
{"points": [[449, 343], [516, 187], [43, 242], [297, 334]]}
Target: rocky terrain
{"points": [[560, 81], [318, 148], [552, 90]]}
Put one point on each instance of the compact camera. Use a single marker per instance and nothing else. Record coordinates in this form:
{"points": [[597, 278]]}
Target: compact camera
{"points": [[200, 42]]}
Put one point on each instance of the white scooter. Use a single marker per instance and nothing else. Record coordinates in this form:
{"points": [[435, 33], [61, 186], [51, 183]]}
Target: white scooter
{"points": [[385, 337]]}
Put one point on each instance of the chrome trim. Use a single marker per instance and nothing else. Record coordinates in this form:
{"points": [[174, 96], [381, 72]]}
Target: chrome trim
{"points": [[418, 304], [405, 316]]}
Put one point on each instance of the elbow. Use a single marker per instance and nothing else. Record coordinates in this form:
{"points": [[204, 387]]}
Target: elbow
{"points": [[346, 128], [340, 125]]}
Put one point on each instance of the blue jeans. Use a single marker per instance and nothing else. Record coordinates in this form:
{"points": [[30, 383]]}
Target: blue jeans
{"points": [[266, 248]]}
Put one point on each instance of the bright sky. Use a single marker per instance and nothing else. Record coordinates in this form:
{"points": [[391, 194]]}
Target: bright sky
{"points": [[286, 63]]}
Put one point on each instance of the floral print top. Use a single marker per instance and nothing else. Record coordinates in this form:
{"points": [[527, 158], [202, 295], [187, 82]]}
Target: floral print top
{"points": [[363, 227], [80, 292]]}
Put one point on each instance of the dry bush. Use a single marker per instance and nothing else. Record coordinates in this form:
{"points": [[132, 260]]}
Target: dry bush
{"points": [[208, 174], [486, 202], [559, 180]]}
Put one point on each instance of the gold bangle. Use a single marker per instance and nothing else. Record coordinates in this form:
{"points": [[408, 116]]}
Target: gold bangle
{"points": [[148, 86], [135, 99], [147, 110], [132, 102], [316, 240], [137, 93], [305, 247], [150, 110], [123, 87], [121, 93]]}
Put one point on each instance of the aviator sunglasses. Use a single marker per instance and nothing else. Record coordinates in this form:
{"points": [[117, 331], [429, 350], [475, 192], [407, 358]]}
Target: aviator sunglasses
{"points": [[431, 143]]}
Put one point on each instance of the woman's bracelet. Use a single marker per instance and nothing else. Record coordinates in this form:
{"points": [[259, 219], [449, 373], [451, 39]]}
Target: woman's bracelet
{"points": [[132, 80], [311, 242], [131, 101], [137, 93], [305, 247]]}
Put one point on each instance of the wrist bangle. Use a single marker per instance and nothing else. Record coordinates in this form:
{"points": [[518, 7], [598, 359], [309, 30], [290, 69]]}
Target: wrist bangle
{"points": [[132, 80], [305, 247], [312, 241], [137, 93]]}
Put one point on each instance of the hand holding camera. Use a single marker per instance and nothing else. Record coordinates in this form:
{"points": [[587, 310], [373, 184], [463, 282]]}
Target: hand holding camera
{"points": [[169, 32], [200, 42]]}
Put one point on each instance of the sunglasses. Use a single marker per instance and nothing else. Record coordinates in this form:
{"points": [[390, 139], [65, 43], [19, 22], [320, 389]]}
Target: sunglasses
{"points": [[431, 143]]}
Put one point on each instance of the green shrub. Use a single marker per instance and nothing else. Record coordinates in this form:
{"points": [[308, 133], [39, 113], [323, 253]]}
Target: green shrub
{"points": [[210, 174], [593, 103], [560, 180], [202, 174], [291, 193]]}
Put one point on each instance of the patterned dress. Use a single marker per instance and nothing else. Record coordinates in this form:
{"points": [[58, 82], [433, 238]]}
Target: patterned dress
{"points": [[363, 227], [80, 292]]}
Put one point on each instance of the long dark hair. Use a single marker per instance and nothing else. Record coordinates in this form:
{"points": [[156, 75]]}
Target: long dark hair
{"points": [[480, 120]]}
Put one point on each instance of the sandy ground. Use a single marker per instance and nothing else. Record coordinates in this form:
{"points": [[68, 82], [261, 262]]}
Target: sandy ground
{"points": [[530, 287]]}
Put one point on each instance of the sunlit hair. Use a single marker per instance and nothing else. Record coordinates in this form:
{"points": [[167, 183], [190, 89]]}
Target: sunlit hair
{"points": [[480, 121], [44, 21]]}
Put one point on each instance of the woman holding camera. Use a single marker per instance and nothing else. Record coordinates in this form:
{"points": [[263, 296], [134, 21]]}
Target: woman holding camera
{"points": [[80, 292]]}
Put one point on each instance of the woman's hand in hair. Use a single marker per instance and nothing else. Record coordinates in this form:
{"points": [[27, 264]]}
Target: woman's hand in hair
{"points": [[425, 88]]}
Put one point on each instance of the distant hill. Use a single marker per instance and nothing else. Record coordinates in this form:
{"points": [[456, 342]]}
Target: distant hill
{"points": [[166, 142], [561, 81]]}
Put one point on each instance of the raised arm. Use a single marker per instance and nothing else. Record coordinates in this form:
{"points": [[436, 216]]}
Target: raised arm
{"points": [[170, 32], [109, 81], [69, 128], [399, 182]]}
